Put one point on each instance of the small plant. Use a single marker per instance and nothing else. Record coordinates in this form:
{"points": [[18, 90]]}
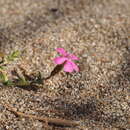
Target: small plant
{"points": [[21, 79], [65, 61]]}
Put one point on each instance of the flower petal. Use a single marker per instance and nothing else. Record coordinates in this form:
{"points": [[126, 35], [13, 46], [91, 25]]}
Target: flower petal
{"points": [[73, 57], [68, 67], [61, 51], [75, 67], [59, 60]]}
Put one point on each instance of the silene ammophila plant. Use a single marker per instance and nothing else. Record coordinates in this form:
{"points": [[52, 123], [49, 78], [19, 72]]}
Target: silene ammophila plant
{"points": [[65, 61]]}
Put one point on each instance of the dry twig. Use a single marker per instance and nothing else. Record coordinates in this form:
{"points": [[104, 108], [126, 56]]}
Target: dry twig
{"points": [[55, 121]]}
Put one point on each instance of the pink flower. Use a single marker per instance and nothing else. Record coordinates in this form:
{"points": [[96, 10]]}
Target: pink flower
{"points": [[67, 60]]}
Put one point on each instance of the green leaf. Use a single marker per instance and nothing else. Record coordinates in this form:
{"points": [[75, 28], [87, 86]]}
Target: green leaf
{"points": [[3, 77], [22, 82], [8, 83], [13, 56]]}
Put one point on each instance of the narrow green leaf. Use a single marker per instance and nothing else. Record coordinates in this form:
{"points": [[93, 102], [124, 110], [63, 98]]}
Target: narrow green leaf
{"points": [[3, 77], [22, 82], [8, 83], [13, 56]]}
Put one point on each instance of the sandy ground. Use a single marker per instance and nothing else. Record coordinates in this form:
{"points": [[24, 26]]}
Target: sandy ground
{"points": [[98, 32]]}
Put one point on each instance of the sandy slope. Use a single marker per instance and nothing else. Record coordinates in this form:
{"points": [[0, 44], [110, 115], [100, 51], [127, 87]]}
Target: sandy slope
{"points": [[98, 32]]}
